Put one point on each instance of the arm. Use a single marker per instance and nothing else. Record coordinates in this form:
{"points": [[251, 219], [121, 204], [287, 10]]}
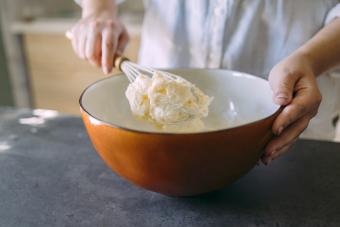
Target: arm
{"points": [[293, 81], [99, 35], [323, 50]]}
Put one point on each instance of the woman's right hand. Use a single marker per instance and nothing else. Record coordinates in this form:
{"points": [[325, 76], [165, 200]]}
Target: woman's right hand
{"points": [[99, 37]]}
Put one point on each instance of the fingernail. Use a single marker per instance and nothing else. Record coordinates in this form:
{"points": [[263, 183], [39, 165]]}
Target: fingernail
{"points": [[280, 130], [106, 70], [270, 155], [282, 95]]}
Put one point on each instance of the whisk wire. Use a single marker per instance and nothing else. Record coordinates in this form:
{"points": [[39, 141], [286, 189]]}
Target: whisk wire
{"points": [[133, 70]]}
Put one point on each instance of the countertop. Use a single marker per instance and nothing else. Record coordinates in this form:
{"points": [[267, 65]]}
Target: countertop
{"points": [[51, 176]]}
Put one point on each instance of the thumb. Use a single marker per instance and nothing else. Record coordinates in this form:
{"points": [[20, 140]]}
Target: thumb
{"points": [[69, 34], [282, 85]]}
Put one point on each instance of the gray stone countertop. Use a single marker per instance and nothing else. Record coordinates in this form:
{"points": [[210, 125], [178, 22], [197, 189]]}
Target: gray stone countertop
{"points": [[51, 176]]}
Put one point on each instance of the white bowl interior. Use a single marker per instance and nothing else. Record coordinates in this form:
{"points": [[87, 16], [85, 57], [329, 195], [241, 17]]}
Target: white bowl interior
{"points": [[239, 99]]}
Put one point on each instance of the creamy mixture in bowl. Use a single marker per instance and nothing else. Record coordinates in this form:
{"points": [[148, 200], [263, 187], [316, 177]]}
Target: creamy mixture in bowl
{"points": [[174, 104]]}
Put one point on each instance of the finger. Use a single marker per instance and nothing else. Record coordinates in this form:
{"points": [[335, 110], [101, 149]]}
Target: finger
{"points": [[288, 135], [302, 104], [109, 44], [82, 45], [98, 50], [74, 45], [122, 42], [282, 150], [282, 84], [91, 44], [74, 40], [69, 34]]}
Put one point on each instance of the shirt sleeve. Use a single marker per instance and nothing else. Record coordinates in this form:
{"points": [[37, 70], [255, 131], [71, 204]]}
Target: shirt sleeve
{"points": [[333, 13], [79, 1]]}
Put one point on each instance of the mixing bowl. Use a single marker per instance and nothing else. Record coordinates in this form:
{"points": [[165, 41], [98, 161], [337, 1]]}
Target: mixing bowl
{"points": [[182, 164]]}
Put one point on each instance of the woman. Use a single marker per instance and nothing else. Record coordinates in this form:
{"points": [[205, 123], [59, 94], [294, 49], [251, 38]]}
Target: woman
{"points": [[290, 42]]}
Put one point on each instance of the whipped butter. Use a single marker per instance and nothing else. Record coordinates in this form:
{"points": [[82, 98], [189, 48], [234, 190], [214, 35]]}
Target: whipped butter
{"points": [[174, 104]]}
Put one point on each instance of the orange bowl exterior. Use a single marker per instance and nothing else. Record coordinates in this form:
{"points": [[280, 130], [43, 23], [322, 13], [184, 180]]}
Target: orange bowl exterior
{"points": [[180, 164]]}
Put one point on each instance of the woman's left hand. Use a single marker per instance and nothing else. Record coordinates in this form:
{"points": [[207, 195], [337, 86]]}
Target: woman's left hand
{"points": [[294, 87]]}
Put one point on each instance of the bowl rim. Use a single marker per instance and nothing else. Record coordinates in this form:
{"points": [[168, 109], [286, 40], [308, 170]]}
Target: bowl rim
{"points": [[117, 126]]}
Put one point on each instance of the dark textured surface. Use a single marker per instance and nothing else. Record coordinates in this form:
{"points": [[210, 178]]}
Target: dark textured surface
{"points": [[51, 176]]}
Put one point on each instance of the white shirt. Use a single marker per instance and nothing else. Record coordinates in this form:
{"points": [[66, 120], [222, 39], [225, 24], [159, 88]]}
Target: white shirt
{"points": [[245, 35]]}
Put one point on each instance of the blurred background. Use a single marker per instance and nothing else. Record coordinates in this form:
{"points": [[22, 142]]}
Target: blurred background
{"points": [[38, 67]]}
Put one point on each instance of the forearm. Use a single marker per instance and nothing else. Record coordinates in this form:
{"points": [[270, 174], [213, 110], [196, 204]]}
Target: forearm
{"points": [[94, 6], [323, 50]]}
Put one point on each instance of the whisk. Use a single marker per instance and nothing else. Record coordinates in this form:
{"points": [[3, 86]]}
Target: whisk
{"points": [[133, 70]]}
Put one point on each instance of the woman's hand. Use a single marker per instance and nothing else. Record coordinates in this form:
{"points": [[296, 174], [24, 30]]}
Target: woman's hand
{"points": [[294, 86], [99, 36]]}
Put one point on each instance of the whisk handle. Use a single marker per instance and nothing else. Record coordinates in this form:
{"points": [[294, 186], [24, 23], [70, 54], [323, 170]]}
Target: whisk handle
{"points": [[119, 60]]}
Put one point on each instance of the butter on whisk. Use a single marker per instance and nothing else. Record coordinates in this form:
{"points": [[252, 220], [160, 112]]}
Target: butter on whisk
{"points": [[161, 97]]}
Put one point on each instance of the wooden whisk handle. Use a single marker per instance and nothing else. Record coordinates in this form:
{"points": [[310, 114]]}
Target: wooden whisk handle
{"points": [[118, 62]]}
